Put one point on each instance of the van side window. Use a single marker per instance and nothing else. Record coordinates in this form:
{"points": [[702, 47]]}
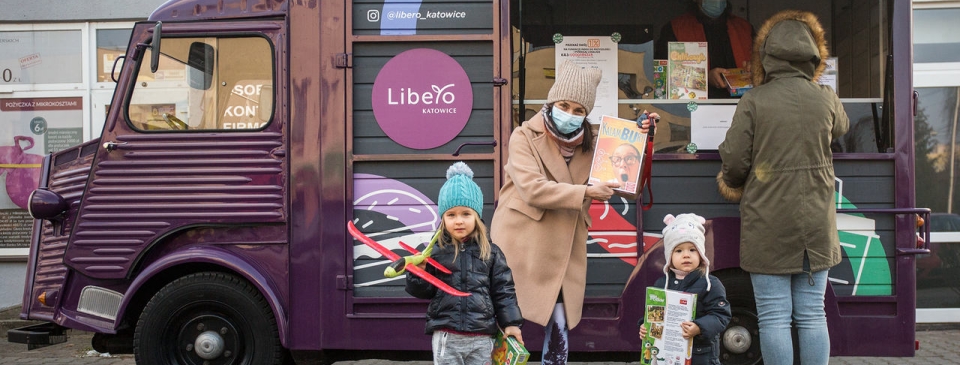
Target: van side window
{"points": [[205, 83]]}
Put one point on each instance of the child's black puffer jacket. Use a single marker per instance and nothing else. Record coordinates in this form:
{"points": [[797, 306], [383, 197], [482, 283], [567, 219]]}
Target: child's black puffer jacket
{"points": [[493, 299]]}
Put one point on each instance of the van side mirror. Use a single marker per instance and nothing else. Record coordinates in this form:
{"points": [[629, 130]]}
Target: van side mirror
{"points": [[155, 47], [265, 103], [200, 62]]}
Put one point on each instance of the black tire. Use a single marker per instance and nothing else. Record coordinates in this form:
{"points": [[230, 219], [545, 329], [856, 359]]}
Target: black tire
{"points": [[202, 313], [740, 341]]}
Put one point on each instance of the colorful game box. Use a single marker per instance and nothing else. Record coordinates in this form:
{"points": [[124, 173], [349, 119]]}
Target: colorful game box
{"points": [[659, 79], [687, 70], [508, 351], [662, 315], [738, 81]]}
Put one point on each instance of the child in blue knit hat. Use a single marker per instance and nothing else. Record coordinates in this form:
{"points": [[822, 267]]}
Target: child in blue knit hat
{"points": [[463, 328]]}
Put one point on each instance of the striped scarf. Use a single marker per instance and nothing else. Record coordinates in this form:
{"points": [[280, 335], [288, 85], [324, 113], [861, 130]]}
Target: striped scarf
{"points": [[568, 143]]}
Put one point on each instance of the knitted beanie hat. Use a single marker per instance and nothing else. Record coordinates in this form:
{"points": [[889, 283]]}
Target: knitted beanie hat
{"points": [[575, 83], [682, 229], [460, 190]]}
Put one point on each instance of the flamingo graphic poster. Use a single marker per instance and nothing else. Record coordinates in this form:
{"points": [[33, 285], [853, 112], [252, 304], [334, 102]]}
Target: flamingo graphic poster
{"points": [[29, 129]]}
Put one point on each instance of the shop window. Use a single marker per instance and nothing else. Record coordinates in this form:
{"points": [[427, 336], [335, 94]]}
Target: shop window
{"points": [[111, 43], [627, 43], [935, 36], [937, 148], [40, 57], [205, 84]]}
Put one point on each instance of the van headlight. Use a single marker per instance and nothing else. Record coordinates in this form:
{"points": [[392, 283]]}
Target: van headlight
{"points": [[46, 204]]}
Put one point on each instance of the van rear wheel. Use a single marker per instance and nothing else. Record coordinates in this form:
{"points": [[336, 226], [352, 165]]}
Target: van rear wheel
{"points": [[207, 318]]}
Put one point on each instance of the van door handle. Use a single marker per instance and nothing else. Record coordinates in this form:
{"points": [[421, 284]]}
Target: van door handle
{"points": [[491, 143], [110, 146]]}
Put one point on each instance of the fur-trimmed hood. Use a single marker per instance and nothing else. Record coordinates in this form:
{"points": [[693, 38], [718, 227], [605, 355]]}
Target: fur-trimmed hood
{"points": [[789, 44]]}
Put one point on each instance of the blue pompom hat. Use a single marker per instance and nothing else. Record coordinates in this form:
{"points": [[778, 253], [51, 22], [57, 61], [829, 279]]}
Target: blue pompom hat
{"points": [[460, 190]]}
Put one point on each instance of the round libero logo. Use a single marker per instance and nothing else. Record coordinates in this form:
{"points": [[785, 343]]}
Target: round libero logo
{"points": [[422, 98]]}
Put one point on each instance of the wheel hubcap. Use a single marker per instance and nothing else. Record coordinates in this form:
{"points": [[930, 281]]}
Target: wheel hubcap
{"points": [[736, 339], [740, 341], [209, 345], [208, 340]]}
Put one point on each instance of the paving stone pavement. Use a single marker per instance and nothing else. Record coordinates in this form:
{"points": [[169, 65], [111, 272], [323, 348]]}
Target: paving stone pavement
{"points": [[939, 345]]}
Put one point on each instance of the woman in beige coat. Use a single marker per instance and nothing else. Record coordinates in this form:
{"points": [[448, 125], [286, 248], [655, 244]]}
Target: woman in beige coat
{"points": [[542, 217]]}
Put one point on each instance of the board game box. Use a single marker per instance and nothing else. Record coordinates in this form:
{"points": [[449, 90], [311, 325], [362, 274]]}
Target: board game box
{"points": [[663, 313], [738, 81], [687, 70], [659, 79], [509, 351]]}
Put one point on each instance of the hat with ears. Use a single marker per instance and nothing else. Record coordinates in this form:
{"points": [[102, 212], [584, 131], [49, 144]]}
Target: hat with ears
{"points": [[575, 83], [460, 190], [682, 229]]}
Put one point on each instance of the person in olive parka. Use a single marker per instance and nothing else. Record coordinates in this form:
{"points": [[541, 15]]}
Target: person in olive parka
{"points": [[777, 162]]}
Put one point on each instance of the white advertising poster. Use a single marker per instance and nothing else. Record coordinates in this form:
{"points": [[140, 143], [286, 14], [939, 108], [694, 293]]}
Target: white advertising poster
{"points": [[29, 129], [594, 52], [709, 124], [830, 75]]}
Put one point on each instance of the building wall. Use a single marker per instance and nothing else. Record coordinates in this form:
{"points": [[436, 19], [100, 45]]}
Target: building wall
{"points": [[85, 18], [36, 11]]}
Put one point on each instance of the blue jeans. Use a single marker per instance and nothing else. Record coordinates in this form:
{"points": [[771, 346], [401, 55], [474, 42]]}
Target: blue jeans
{"points": [[555, 339], [800, 297]]}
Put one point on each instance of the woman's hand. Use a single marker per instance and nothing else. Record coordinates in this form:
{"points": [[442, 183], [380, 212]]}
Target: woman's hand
{"points": [[601, 192], [513, 331], [645, 124]]}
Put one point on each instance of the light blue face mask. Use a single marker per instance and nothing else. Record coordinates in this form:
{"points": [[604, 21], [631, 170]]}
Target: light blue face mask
{"points": [[565, 122], [713, 8]]}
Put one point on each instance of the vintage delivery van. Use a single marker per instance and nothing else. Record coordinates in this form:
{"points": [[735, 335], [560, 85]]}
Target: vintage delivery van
{"points": [[207, 224]]}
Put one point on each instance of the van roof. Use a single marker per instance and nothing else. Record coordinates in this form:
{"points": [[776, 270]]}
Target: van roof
{"points": [[188, 10]]}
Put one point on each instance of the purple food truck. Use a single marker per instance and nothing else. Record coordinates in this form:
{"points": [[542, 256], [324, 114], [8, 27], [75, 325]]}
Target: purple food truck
{"points": [[208, 223]]}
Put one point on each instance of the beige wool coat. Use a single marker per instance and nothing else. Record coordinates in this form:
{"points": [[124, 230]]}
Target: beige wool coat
{"points": [[541, 223]]}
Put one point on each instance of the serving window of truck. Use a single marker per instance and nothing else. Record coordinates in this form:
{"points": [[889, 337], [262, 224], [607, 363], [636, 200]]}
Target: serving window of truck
{"points": [[245, 134]]}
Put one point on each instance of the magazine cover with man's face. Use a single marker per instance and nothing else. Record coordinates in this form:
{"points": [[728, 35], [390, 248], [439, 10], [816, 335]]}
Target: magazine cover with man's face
{"points": [[618, 156]]}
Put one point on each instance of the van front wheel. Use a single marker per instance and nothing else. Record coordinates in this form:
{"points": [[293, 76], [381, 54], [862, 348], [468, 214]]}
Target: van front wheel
{"points": [[207, 318]]}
